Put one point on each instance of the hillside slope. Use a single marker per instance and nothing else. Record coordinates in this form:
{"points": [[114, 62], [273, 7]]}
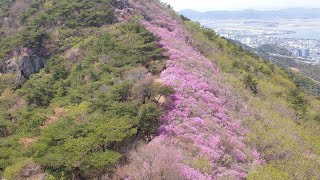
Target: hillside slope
{"points": [[130, 90]]}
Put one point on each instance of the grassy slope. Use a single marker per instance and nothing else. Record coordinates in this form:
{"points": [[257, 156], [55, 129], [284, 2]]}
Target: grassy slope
{"points": [[287, 140]]}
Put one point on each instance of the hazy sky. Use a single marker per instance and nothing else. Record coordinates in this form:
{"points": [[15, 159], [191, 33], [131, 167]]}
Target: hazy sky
{"points": [[204, 5]]}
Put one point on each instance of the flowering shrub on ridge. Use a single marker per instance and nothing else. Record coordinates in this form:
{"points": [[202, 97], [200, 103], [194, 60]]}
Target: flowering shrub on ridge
{"points": [[196, 119]]}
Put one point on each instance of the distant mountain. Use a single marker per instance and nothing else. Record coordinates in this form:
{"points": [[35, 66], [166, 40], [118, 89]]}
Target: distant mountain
{"points": [[293, 13]]}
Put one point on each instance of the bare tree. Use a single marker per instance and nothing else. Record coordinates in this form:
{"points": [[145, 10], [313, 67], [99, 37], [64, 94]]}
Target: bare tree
{"points": [[154, 161]]}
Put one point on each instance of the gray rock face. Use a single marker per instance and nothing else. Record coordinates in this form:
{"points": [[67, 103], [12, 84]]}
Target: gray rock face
{"points": [[24, 63]]}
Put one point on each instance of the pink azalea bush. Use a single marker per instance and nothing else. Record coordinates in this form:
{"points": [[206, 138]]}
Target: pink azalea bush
{"points": [[196, 120]]}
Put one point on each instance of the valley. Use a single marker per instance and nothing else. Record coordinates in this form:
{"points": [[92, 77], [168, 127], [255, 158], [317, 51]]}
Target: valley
{"points": [[300, 36]]}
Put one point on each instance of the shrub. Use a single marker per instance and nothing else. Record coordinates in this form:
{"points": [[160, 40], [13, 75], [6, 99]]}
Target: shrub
{"points": [[147, 117], [251, 84], [317, 117], [268, 172], [299, 102], [7, 81], [38, 91], [12, 171], [184, 18]]}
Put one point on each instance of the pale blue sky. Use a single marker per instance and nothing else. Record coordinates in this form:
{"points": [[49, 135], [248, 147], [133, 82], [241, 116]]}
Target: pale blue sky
{"points": [[204, 5]]}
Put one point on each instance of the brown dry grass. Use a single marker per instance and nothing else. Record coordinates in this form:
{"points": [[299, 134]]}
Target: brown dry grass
{"points": [[51, 120], [26, 142], [294, 70]]}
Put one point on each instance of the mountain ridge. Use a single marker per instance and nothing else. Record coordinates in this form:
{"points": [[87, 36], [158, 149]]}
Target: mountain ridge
{"points": [[131, 90], [292, 13]]}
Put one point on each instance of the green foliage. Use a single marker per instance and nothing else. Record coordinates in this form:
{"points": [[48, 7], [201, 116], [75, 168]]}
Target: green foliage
{"points": [[82, 106], [32, 119], [268, 172], [306, 83], [7, 100], [299, 102], [7, 81], [4, 7], [120, 92], [38, 91], [136, 46], [34, 37], [184, 18], [8, 153], [65, 149], [163, 90], [49, 83], [202, 164], [210, 34], [303, 74], [272, 48], [317, 117], [147, 116], [147, 89], [72, 13], [98, 163], [9, 43], [12, 171], [251, 84], [57, 67], [53, 14]]}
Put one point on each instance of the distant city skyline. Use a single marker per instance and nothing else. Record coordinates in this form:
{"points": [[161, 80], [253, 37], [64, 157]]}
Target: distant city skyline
{"points": [[213, 5]]}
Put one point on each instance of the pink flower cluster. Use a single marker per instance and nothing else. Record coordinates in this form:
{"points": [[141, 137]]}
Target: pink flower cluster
{"points": [[196, 118]]}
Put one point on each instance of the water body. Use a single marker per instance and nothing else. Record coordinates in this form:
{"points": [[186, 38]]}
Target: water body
{"points": [[287, 28], [302, 34]]}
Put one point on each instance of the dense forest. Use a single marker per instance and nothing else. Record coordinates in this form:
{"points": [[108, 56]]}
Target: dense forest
{"points": [[109, 89]]}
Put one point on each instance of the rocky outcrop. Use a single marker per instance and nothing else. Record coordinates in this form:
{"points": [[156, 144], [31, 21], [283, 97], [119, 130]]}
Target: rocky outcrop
{"points": [[32, 171], [23, 62]]}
